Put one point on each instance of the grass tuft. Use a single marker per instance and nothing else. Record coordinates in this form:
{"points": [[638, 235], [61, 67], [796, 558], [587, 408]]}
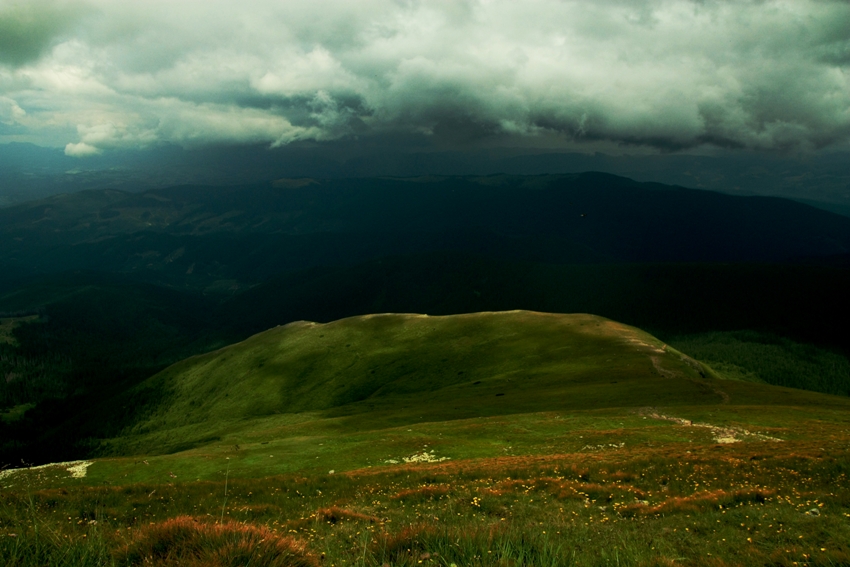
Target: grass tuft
{"points": [[408, 544], [193, 542], [699, 502]]}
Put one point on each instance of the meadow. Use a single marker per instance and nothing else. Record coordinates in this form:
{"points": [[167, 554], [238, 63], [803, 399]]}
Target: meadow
{"points": [[389, 440], [651, 492]]}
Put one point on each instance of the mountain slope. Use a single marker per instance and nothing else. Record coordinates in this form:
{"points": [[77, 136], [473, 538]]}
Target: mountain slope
{"points": [[380, 371], [196, 235]]}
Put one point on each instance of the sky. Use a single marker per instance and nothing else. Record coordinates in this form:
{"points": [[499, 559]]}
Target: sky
{"points": [[652, 76]]}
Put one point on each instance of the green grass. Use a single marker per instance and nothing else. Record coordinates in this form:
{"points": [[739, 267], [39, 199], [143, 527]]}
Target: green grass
{"points": [[670, 495], [366, 390], [382, 371], [606, 448]]}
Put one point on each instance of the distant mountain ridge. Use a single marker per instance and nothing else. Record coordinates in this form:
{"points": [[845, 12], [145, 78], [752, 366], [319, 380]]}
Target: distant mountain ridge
{"points": [[29, 172], [193, 236]]}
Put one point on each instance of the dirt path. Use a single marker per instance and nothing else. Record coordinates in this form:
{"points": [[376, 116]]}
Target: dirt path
{"points": [[661, 370], [720, 434], [656, 362]]}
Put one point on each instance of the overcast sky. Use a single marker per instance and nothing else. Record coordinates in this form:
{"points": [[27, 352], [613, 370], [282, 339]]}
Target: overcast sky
{"points": [[646, 75]]}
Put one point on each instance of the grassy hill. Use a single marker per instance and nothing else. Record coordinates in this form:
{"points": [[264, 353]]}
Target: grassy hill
{"points": [[393, 369], [382, 371], [806, 303], [98, 335], [492, 439]]}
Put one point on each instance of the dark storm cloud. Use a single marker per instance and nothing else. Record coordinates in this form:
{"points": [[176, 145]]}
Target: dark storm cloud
{"points": [[28, 30], [665, 74]]}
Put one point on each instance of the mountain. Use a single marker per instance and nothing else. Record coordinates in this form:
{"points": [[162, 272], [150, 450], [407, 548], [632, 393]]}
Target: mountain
{"points": [[806, 302], [101, 289], [30, 172], [229, 237]]}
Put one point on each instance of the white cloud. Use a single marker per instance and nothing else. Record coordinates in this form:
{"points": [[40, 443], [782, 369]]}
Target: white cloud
{"points": [[295, 74], [81, 150], [661, 73], [10, 112]]}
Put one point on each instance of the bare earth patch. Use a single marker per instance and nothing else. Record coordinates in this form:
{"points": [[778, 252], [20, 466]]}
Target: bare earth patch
{"points": [[721, 434]]}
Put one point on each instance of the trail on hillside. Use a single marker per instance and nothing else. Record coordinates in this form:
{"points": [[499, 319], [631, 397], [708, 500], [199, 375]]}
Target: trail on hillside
{"points": [[656, 362], [720, 434]]}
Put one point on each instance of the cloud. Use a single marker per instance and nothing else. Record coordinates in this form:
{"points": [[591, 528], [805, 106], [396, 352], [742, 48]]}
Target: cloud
{"points": [[28, 29], [81, 150], [662, 74], [10, 112]]}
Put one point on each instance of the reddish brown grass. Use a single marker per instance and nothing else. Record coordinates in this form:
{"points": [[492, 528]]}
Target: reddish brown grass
{"points": [[698, 502], [332, 515], [186, 541], [621, 476], [522, 485], [589, 491], [411, 542]]}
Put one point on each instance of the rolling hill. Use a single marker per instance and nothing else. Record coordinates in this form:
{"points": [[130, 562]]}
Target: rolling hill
{"points": [[519, 437], [382, 371]]}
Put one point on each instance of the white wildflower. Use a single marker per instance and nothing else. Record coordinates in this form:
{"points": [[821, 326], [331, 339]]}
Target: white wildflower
{"points": [[424, 457], [76, 468]]}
